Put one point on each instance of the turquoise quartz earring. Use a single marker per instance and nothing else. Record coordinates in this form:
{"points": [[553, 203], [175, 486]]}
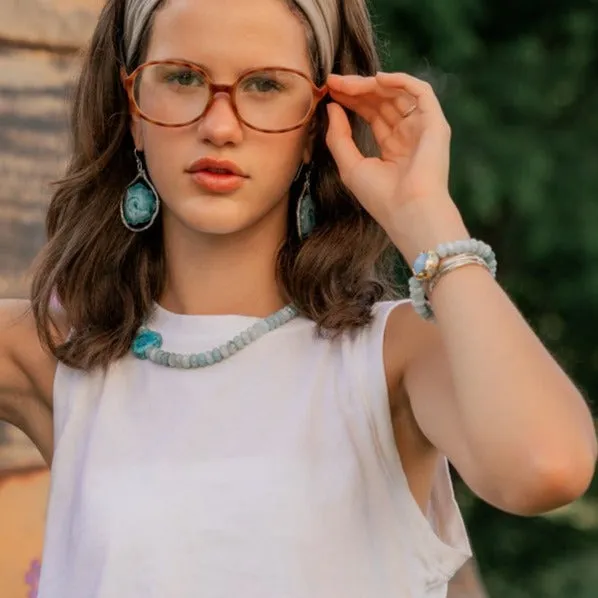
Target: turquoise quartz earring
{"points": [[306, 210], [140, 203]]}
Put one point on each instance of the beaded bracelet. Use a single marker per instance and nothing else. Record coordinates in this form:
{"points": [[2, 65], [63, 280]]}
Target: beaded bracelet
{"points": [[430, 266]]}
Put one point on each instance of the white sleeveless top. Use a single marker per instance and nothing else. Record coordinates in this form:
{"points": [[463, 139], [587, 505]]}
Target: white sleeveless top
{"points": [[273, 474]]}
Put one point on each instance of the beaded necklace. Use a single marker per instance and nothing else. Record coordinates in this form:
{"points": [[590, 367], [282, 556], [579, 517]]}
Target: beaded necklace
{"points": [[147, 344]]}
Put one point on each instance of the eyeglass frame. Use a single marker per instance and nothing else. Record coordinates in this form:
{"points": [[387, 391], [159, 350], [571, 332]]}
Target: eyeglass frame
{"points": [[318, 93]]}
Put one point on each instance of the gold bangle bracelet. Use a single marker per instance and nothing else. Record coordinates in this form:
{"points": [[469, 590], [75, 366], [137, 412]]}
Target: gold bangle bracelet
{"points": [[453, 263]]}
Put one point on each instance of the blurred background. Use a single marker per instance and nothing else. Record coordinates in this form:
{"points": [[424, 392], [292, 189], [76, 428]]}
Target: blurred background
{"points": [[519, 84]]}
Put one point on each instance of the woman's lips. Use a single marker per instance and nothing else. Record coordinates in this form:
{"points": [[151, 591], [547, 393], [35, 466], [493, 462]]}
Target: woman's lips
{"points": [[218, 182]]}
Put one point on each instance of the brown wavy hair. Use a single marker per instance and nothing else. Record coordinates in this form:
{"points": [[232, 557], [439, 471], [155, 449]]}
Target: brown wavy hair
{"points": [[107, 279]]}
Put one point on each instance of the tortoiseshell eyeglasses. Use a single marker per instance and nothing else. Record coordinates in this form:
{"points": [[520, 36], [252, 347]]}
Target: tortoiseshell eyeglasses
{"points": [[175, 93]]}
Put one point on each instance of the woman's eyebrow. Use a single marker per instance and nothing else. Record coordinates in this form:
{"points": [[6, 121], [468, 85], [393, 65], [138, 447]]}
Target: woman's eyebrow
{"points": [[238, 71]]}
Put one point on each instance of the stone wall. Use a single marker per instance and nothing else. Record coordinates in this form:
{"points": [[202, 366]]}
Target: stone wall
{"points": [[38, 63], [51, 22]]}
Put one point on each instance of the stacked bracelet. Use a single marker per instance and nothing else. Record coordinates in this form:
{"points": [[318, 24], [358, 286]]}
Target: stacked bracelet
{"points": [[431, 266]]}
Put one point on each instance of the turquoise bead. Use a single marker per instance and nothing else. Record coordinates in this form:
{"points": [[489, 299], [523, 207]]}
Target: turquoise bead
{"points": [[217, 355], [201, 359], [144, 340]]}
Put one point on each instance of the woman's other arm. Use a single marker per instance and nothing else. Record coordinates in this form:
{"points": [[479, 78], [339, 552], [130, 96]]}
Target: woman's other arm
{"points": [[26, 376]]}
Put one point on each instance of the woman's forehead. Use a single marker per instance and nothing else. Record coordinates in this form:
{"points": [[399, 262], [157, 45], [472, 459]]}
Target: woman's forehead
{"points": [[235, 33]]}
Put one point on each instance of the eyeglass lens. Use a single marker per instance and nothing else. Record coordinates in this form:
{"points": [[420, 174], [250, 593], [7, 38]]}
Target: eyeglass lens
{"points": [[270, 99]]}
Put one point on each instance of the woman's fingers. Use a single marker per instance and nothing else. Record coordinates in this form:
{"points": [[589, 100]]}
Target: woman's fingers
{"points": [[366, 95], [351, 84], [357, 103], [376, 111], [423, 93], [339, 139], [397, 106]]}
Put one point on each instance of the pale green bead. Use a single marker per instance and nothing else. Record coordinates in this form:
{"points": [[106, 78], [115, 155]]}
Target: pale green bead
{"points": [[239, 342], [261, 328]]}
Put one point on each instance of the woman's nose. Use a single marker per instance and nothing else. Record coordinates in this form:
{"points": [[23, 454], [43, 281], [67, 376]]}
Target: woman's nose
{"points": [[220, 125]]}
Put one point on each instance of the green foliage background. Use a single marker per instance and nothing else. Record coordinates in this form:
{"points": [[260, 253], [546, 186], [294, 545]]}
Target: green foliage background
{"points": [[519, 84]]}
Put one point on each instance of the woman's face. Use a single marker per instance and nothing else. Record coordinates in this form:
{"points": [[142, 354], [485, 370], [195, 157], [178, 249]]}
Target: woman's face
{"points": [[227, 37]]}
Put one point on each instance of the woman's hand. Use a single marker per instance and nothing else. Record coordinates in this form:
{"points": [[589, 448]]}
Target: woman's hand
{"points": [[406, 189]]}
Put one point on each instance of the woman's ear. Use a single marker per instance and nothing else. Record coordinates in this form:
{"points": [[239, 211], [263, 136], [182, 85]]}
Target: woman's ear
{"points": [[135, 125], [136, 132], [309, 142]]}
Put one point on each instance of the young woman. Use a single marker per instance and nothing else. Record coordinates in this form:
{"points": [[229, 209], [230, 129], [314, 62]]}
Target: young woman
{"points": [[232, 399]]}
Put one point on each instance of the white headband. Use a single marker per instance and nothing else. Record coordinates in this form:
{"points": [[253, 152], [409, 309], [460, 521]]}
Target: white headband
{"points": [[322, 15]]}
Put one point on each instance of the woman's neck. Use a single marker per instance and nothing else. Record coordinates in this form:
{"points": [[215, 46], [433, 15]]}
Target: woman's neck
{"points": [[221, 274]]}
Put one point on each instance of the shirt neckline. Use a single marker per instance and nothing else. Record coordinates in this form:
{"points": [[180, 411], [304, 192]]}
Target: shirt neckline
{"points": [[165, 321]]}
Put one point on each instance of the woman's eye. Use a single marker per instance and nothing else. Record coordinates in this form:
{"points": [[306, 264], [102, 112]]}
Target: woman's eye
{"points": [[261, 84], [185, 78]]}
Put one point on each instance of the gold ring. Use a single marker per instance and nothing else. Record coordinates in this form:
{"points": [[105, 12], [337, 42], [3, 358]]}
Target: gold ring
{"points": [[410, 111]]}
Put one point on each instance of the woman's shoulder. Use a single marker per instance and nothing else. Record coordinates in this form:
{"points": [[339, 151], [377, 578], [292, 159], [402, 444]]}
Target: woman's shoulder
{"points": [[19, 340], [19, 332], [402, 333]]}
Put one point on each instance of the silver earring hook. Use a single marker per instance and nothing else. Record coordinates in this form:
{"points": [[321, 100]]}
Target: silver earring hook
{"points": [[299, 172], [140, 168]]}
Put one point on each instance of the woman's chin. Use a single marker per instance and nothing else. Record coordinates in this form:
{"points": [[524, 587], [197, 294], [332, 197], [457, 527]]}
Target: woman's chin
{"points": [[214, 219], [219, 216]]}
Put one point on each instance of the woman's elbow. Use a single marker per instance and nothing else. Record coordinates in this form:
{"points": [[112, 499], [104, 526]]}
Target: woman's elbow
{"points": [[551, 485]]}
